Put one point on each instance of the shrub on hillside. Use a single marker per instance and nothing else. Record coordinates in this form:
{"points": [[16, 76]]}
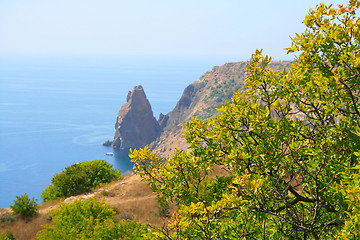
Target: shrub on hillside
{"points": [[90, 219], [79, 178], [7, 236], [24, 206]]}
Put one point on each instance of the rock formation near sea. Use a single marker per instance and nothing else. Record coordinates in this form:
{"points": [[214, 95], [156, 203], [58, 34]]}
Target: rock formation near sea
{"points": [[135, 126], [200, 99]]}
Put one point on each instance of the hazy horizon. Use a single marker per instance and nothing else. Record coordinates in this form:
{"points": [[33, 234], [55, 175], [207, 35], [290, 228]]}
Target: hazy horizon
{"points": [[222, 31]]}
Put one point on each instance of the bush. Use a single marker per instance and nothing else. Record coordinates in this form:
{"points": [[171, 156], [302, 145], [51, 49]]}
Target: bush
{"points": [[50, 193], [8, 236], [89, 219], [79, 178], [25, 206]]}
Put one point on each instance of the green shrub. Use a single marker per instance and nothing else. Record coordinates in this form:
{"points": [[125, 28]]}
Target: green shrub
{"points": [[50, 193], [89, 219], [7, 236], [25, 206], [79, 178]]}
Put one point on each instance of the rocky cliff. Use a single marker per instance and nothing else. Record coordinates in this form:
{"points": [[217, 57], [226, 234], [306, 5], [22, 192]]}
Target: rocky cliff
{"points": [[135, 126], [200, 99]]}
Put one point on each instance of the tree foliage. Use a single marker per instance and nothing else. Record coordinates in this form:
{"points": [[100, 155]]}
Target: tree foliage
{"points": [[290, 142], [80, 178]]}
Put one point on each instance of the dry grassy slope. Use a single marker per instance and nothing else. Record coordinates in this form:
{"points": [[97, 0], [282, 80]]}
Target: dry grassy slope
{"points": [[200, 99], [130, 197]]}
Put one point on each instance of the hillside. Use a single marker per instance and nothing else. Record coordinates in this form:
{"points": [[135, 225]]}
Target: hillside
{"points": [[200, 99], [131, 198]]}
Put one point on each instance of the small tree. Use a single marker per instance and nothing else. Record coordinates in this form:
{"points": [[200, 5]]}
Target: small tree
{"points": [[25, 206]]}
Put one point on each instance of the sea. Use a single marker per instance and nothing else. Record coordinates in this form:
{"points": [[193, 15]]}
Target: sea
{"points": [[57, 112]]}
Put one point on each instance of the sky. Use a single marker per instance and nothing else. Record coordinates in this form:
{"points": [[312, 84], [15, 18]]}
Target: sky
{"points": [[228, 30]]}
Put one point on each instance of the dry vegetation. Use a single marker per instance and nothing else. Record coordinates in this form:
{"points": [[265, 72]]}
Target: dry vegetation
{"points": [[130, 197]]}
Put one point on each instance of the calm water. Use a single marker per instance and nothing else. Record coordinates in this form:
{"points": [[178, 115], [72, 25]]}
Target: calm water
{"points": [[56, 113]]}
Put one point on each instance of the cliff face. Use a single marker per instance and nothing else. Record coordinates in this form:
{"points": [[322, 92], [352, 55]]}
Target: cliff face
{"points": [[135, 125], [200, 99]]}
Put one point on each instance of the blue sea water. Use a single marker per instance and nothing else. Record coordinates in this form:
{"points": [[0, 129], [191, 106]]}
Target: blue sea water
{"points": [[54, 113]]}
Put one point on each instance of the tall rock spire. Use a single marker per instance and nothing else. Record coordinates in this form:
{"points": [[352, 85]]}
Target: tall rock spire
{"points": [[135, 126]]}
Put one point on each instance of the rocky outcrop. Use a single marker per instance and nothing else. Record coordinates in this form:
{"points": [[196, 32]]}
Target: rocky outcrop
{"points": [[135, 125], [201, 99], [163, 120], [108, 143]]}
